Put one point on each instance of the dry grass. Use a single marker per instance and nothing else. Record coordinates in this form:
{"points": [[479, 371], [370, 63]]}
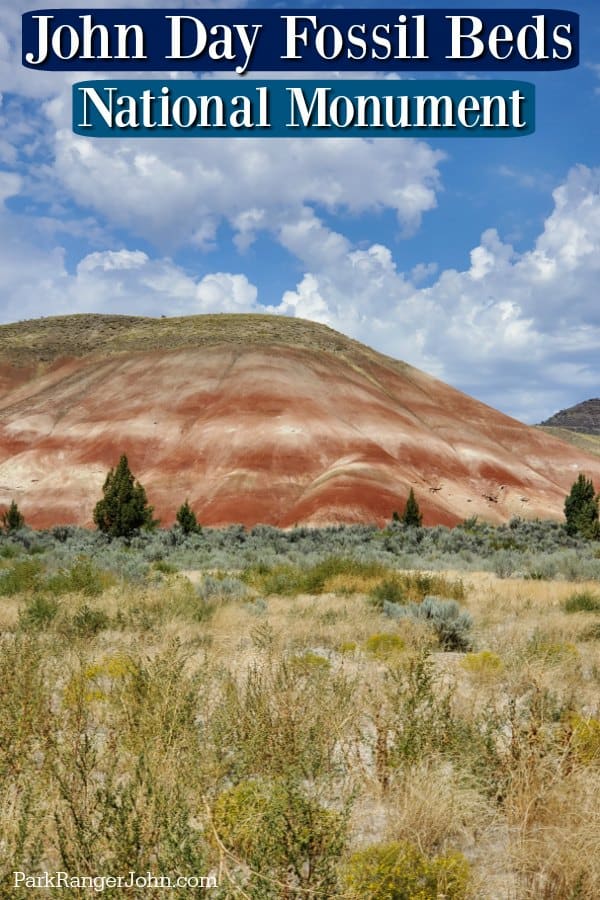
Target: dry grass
{"points": [[56, 337], [286, 686]]}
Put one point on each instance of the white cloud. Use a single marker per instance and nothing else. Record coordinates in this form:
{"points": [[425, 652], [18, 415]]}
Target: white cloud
{"points": [[520, 330], [226, 293], [168, 190], [114, 281], [34, 281], [113, 259]]}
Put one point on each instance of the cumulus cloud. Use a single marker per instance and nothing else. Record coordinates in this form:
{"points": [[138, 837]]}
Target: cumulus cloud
{"points": [[117, 280], [167, 190], [518, 329], [35, 281], [176, 192], [227, 293]]}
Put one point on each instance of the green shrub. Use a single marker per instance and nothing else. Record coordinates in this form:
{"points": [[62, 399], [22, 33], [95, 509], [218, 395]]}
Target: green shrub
{"points": [[213, 588], [585, 739], [38, 613], [282, 835], [186, 519], [23, 576], [390, 590], [9, 551], [164, 568], [123, 509], [401, 587], [88, 621], [581, 509], [12, 518], [400, 871], [287, 580], [83, 577], [412, 514], [584, 601]]}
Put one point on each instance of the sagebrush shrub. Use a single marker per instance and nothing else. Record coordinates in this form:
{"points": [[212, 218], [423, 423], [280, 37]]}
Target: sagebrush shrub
{"points": [[451, 624]]}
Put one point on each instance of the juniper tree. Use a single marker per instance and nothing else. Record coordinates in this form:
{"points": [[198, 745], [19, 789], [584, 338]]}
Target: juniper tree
{"points": [[412, 513], [581, 509], [12, 518], [186, 519], [124, 507]]}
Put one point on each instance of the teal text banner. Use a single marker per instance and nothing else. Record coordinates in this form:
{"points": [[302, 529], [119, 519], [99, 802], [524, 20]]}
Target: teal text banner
{"points": [[299, 108]]}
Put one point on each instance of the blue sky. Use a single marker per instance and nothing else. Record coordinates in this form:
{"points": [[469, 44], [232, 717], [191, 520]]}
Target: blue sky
{"points": [[476, 260]]}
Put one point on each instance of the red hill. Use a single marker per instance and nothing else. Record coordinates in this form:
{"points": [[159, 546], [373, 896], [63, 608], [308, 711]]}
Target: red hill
{"points": [[256, 419]]}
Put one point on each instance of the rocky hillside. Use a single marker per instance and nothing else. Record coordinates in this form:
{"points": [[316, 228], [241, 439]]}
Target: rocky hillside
{"points": [[583, 417]]}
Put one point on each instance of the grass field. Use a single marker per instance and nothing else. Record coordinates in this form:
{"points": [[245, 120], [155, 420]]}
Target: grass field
{"points": [[300, 732]]}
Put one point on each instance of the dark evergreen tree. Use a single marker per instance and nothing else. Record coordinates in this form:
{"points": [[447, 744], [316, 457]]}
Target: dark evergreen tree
{"points": [[186, 519], [124, 507], [412, 513], [581, 509], [396, 516], [12, 518]]}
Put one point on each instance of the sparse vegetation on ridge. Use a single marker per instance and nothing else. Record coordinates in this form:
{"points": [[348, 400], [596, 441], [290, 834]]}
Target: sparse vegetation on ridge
{"points": [[46, 339]]}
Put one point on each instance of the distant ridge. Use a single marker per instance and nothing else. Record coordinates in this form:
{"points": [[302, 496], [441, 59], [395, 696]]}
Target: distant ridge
{"points": [[583, 417], [257, 419]]}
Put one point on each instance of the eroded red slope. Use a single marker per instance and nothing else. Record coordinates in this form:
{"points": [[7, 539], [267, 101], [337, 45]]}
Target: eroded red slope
{"points": [[269, 432]]}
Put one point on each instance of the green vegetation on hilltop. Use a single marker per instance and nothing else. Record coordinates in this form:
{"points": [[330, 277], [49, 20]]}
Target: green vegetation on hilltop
{"points": [[47, 339]]}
